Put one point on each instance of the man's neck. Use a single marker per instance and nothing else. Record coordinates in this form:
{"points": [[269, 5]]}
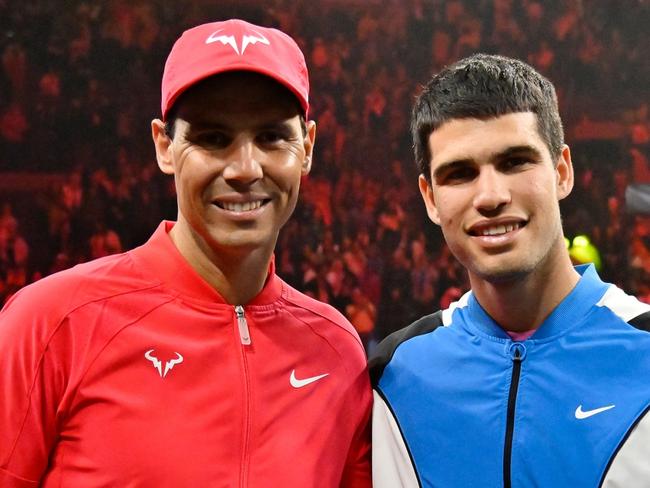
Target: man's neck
{"points": [[522, 304], [238, 276]]}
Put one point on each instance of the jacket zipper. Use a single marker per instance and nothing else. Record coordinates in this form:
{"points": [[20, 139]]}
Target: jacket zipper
{"points": [[245, 339], [242, 325], [517, 353]]}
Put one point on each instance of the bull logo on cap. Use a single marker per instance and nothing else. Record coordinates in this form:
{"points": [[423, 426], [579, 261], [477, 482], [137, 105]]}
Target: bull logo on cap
{"points": [[228, 40]]}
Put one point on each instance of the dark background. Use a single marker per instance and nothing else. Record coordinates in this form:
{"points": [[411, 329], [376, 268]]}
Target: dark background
{"points": [[80, 82]]}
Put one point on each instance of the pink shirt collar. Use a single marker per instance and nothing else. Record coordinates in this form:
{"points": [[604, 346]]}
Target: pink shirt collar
{"points": [[520, 336]]}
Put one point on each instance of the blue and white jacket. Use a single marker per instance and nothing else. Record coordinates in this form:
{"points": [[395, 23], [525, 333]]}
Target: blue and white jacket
{"points": [[460, 404]]}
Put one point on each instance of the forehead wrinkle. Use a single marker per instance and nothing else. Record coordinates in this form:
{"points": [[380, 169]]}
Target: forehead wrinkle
{"points": [[209, 123], [223, 107], [238, 93]]}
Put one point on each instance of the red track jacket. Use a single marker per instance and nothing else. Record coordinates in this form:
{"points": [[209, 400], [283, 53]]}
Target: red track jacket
{"points": [[131, 371]]}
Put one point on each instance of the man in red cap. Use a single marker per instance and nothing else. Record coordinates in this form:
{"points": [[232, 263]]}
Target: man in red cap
{"points": [[188, 361]]}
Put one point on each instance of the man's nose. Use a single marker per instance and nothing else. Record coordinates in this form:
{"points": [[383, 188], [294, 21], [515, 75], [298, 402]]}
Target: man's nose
{"points": [[492, 190], [244, 165]]}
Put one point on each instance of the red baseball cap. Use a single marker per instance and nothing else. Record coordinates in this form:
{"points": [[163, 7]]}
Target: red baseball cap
{"points": [[233, 45]]}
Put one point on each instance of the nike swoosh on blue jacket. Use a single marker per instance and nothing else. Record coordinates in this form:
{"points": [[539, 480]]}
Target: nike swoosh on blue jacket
{"points": [[444, 386]]}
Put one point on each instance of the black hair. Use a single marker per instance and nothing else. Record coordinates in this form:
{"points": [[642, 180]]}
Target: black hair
{"points": [[484, 86]]}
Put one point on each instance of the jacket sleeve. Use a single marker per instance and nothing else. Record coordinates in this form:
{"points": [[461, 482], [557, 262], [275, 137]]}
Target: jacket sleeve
{"points": [[357, 472], [392, 465], [30, 384]]}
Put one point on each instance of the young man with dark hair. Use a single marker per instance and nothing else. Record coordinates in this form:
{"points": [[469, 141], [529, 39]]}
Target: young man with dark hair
{"points": [[538, 375], [187, 362]]}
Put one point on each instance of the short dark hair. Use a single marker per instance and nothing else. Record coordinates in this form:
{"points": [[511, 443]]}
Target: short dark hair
{"points": [[484, 86]]}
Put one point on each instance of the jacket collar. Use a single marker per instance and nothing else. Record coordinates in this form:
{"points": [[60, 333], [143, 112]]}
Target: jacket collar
{"points": [[572, 310], [161, 261]]}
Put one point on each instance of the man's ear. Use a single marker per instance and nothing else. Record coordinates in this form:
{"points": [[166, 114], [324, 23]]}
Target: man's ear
{"points": [[162, 142], [308, 142], [426, 190], [564, 172]]}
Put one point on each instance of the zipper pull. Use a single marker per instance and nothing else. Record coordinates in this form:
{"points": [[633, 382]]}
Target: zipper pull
{"points": [[517, 352], [244, 333]]}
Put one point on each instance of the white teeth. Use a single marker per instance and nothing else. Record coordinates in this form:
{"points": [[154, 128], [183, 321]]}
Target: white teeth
{"points": [[498, 229], [242, 207]]}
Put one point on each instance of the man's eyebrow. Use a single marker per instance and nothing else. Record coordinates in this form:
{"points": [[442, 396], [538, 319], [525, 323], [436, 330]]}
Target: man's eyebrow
{"points": [[206, 124], [518, 151], [281, 124], [450, 165], [505, 154]]}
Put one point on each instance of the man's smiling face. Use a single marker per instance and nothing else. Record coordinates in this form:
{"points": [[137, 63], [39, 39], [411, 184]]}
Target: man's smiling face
{"points": [[494, 191], [238, 153]]}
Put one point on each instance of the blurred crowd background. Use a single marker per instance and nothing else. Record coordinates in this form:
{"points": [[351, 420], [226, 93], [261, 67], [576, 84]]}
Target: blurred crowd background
{"points": [[79, 84]]}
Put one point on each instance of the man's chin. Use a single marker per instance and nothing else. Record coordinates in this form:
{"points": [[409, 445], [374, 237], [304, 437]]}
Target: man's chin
{"points": [[244, 241], [502, 275]]}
